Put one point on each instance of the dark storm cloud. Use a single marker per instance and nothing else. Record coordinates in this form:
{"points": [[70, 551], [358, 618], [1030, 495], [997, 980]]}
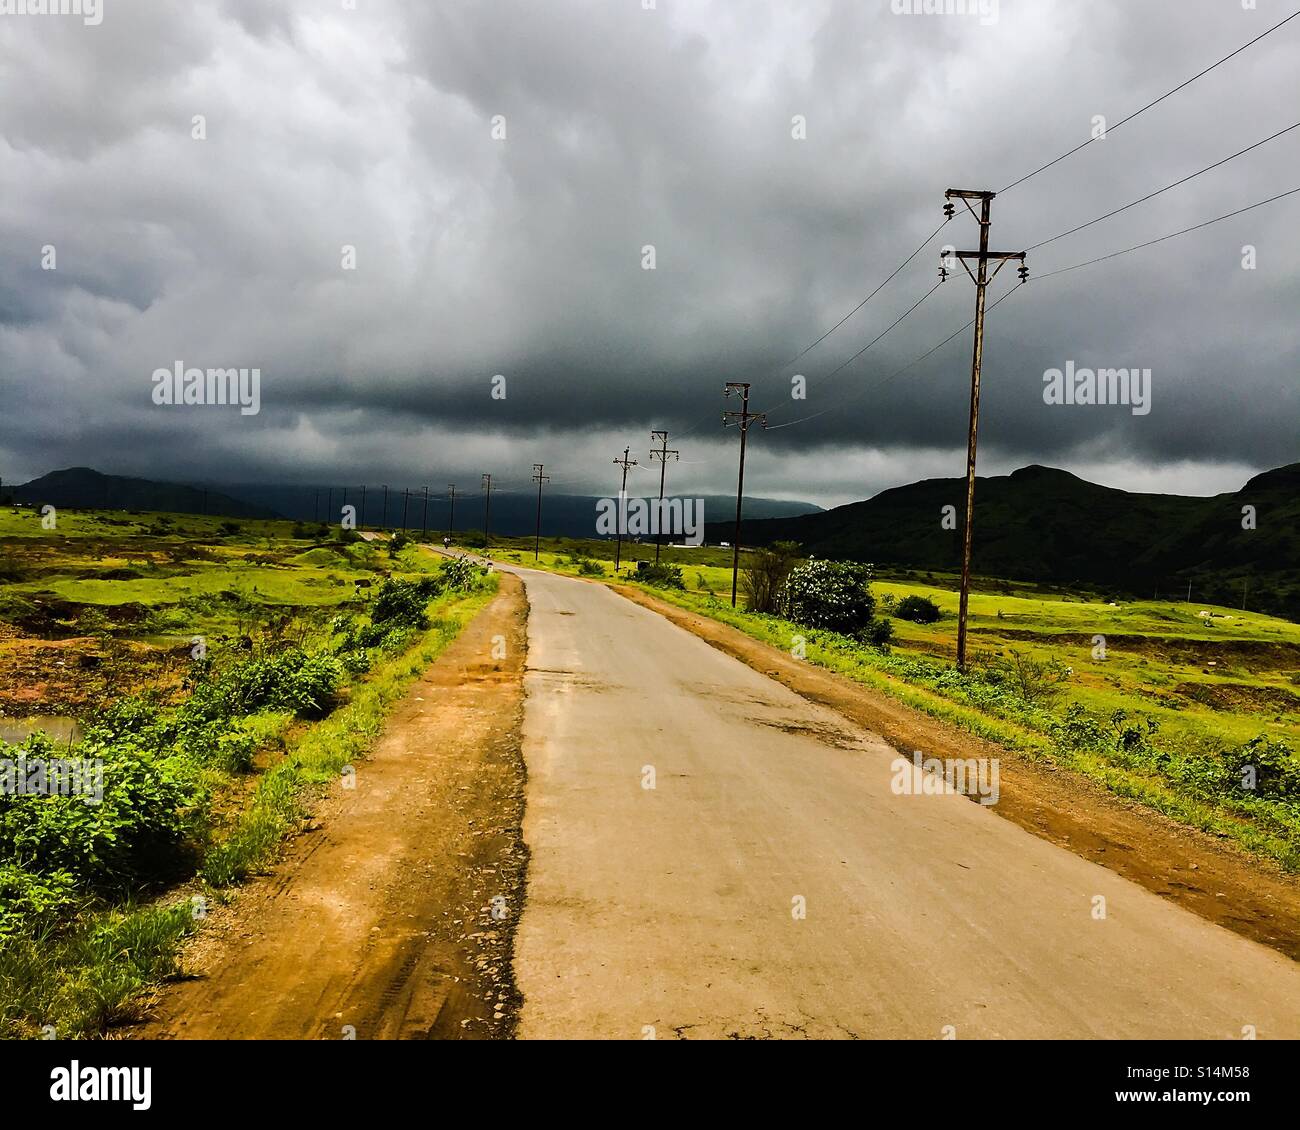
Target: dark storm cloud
{"points": [[476, 256]]}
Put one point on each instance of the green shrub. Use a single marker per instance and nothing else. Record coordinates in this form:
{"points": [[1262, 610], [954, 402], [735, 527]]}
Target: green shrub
{"points": [[400, 603], [1032, 680], [32, 900], [293, 681], [878, 633], [133, 835], [1276, 771], [662, 576], [462, 574], [918, 609], [834, 595]]}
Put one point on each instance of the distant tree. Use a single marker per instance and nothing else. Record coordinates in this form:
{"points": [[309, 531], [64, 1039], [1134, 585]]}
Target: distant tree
{"points": [[918, 609], [765, 573]]}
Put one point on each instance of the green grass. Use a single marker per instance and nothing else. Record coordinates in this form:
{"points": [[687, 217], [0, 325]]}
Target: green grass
{"points": [[324, 751], [81, 967]]}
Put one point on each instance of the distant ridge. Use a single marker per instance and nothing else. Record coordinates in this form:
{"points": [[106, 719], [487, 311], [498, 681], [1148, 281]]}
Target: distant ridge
{"points": [[85, 488], [513, 512], [1044, 524]]}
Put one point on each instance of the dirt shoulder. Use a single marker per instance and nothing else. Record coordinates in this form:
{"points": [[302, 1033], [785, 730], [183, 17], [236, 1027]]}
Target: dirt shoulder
{"points": [[1213, 878], [379, 922]]}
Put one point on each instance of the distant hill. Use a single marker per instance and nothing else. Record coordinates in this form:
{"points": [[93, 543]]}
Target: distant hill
{"points": [[513, 512], [1041, 524], [84, 488]]}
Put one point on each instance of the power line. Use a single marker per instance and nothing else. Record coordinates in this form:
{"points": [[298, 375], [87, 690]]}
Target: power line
{"points": [[1151, 195], [892, 275], [1123, 121], [1171, 235], [1156, 102], [897, 372], [809, 348], [1039, 278]]}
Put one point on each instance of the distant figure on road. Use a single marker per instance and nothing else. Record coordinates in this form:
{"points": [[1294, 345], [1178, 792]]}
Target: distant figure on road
{"points": [[446, 543]]}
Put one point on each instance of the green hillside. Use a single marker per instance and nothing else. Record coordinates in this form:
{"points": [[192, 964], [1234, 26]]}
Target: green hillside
{"points": [[1049, 526]]}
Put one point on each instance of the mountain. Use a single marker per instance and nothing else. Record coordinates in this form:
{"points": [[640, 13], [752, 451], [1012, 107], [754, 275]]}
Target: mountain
{"points": [[513, 512], [1046, 525], [83, 488]]}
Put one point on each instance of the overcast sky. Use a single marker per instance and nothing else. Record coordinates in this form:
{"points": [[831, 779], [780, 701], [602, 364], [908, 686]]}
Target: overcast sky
{"points": [[377, 126]]}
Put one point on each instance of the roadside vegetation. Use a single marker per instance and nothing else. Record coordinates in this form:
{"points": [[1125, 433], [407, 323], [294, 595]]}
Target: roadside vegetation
{"points": [[220, 673], [1190, 709]]}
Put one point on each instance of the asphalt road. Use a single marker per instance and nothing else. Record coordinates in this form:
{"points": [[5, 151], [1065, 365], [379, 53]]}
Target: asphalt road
{"points": [[676, 910]]}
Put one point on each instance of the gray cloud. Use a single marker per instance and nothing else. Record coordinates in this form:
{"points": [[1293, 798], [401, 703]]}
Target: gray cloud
{"points": [[624, 128]]}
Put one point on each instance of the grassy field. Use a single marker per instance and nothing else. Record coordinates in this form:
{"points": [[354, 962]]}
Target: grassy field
{"points": [[1163, 702], [220, 673]]}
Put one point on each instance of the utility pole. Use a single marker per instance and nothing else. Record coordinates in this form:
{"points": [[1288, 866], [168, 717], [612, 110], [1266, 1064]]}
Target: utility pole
{"points": [[539, 479], [743, 418], [406, 499], [383, 522], [451, 518], [424, 523], [363, 507], [487, 508], [661, 453], [981, 279], [621, 518], [1245, 588]]}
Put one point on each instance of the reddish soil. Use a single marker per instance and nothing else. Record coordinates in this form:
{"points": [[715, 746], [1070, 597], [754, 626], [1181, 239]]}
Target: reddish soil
{"points": [[379, 923]]}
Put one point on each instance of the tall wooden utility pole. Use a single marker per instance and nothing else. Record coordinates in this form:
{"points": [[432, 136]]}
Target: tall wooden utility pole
{"points": [[424, 521], [743, 418], [661, 453], [406, 501], [487, 508], [625, 463], [981, 278], [383, 522], [451, 518], [539, 479]]}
